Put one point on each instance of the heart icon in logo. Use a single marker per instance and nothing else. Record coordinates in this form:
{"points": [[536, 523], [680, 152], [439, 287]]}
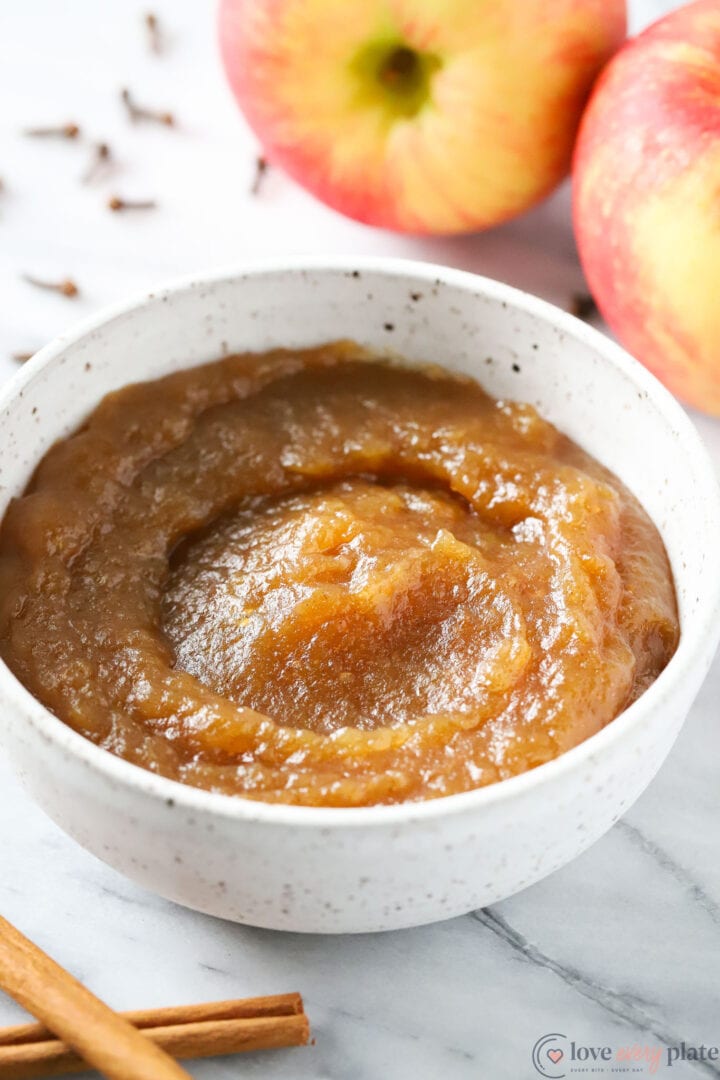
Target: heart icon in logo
{"points": [[555, 1056]]}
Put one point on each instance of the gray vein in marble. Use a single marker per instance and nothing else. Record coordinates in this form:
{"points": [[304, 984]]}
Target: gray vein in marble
{"points": [[215, 970], [671, 866], [622, 1006], [140, 900], [122, 891]]}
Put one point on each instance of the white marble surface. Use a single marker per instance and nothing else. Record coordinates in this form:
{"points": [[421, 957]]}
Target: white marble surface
{"points": [[619, 947]]}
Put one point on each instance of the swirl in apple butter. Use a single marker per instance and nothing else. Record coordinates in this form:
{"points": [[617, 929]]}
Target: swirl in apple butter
{"points": [[310, 578]]}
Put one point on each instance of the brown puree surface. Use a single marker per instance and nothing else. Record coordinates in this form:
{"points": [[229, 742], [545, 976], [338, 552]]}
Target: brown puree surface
{"points": [[301, 577]]}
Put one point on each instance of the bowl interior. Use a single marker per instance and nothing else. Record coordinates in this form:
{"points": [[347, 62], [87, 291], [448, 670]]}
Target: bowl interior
{"points": [[515, 345]]}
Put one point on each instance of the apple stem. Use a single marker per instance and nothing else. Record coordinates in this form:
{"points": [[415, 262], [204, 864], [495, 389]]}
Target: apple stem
{"points": [[400, 66]]}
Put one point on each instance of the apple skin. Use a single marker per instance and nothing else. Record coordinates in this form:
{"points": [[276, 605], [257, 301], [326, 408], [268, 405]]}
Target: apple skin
{"points": [[647, 200], [477, 131]]}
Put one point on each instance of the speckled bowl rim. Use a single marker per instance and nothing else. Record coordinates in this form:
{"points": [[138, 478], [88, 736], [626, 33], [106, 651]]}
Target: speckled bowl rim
{"points": [[695, 640]]}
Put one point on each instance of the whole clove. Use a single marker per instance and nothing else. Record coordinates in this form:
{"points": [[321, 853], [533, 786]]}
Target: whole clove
{"points": [[154, 34], [138, 112], [116, 204], [65, 287], [583, 306], [261, 167], [101, 158], [62, 131]]}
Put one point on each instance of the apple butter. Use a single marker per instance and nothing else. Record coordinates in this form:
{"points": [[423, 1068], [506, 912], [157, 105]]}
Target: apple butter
{"points": [[316, 577]]}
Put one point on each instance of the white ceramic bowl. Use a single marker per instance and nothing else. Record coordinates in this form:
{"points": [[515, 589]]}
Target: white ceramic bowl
{"points": [[345, 870]]}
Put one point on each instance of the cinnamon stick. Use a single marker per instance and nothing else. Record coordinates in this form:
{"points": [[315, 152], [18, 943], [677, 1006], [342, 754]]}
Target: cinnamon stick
{"points": [[173, 1015], [206, 1038], [98, 1035]]}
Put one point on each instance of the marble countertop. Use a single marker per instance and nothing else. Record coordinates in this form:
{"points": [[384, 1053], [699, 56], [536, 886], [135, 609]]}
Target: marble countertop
{"points": [[620, 947]]}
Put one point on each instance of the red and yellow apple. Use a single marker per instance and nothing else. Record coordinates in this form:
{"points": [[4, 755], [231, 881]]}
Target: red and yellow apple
{"points": [[424, 116], [647, 200]]}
